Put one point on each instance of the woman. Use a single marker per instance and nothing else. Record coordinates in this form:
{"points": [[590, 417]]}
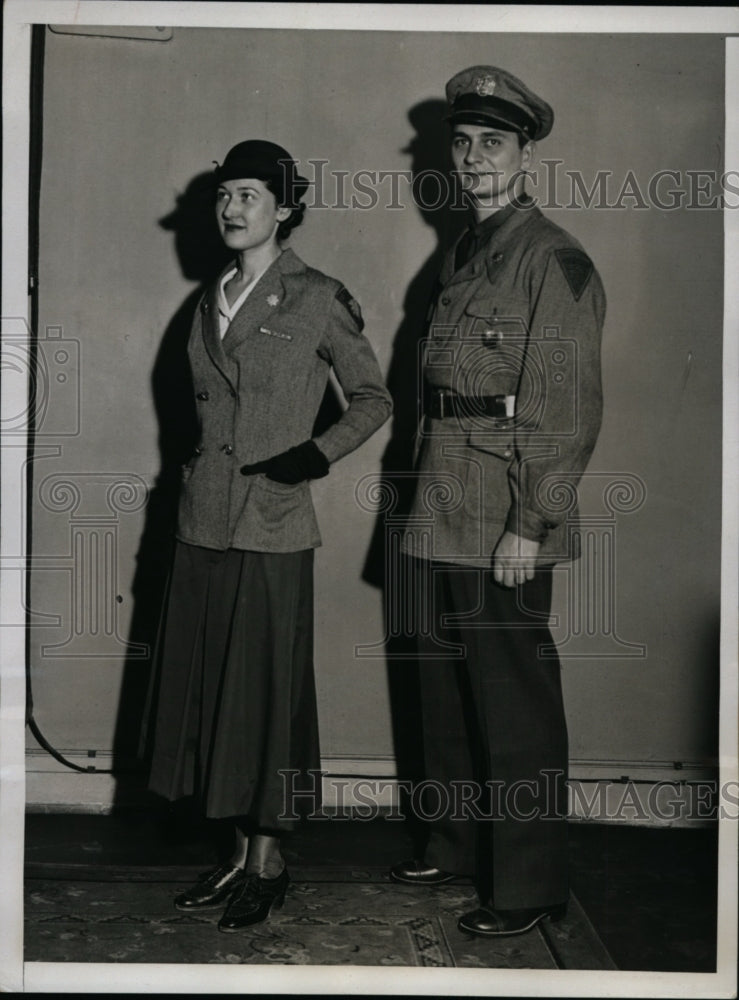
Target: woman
{"points": [[236, 720]]}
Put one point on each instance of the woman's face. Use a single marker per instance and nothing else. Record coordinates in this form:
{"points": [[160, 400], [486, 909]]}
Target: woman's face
{"points": [[247, 214]]}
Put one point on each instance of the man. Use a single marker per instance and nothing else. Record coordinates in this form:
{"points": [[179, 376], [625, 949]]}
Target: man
{"points": [[511, 398]]}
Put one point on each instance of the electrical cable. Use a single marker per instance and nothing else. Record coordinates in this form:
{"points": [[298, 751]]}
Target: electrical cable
{"points": [[45, 745], [34, 198]]}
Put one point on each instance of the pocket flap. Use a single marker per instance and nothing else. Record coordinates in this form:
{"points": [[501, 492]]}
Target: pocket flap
{"points": [[482, 306], [498, 443]]}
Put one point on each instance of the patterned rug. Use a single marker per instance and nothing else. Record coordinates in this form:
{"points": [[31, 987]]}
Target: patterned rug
{"points": [[78, 913]]}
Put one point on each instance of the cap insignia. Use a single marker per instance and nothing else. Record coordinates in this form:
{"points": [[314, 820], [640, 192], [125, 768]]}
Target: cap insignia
{"points": [[485, 86], [273, 300]]}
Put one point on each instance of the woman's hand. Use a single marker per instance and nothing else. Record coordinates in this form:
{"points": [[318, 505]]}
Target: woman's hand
{"points": [[304, 461]]}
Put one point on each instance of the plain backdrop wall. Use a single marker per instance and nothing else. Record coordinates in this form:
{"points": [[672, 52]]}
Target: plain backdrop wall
{"points": [[129, 124]]}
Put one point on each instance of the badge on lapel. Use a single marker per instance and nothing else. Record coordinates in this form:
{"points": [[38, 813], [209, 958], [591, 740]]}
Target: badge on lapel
{"points": [[275, 333], [273, 300]]}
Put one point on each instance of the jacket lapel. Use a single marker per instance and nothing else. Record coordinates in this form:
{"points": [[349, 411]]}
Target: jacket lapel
{"points": [[264, 299], [212, 337]]}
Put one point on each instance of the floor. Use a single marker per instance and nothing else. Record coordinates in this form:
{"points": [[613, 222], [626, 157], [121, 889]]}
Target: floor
{"points": [[99, 888]]}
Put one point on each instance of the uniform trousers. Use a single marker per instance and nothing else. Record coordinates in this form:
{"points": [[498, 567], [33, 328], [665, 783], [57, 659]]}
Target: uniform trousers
{"points": [[495, 736], [236, 722]]}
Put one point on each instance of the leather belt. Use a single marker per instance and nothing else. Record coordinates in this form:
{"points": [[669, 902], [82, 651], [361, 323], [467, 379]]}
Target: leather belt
{"points": [[442, 403]]}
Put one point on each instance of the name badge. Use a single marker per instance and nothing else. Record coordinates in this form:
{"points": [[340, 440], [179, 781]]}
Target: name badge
{"points": [[275, 333]]}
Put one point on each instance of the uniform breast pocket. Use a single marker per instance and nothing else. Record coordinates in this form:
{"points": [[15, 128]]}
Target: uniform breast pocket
{"points": [[287, 329], [493, 350], [494, 324], [281, 346]]}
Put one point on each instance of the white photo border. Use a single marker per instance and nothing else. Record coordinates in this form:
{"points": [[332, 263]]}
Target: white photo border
{"points": [[15, 976]]}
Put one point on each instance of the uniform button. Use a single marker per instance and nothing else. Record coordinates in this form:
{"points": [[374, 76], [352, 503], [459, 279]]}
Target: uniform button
{"points": [[497, 257], [205, 307], [446, 300], [507, 453], [233, 393], [228, 449], [198, 450], [203, 396]]}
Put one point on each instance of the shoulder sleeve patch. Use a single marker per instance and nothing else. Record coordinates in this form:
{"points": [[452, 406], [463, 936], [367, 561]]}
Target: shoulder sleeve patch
{"points": [[351, 305], [577, 268]]}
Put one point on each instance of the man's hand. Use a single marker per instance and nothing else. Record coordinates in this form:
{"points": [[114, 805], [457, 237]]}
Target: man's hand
{"points": [[514, 559]]}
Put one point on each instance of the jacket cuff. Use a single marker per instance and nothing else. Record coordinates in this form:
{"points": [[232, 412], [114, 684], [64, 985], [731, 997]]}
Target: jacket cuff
{"points": [[528, 524], [317, 464]]}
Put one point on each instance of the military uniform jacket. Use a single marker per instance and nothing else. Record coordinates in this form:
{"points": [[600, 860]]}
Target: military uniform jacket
{"points": [[523, 318], [258, 392]]}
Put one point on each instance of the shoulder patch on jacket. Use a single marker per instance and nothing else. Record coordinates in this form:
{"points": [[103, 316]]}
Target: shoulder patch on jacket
{"points": [[577, 268], [351, 305]]}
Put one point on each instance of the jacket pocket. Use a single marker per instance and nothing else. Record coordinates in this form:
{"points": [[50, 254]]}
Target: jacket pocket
{"points": [[280, 516], [493, 324], [281, 489], [499, 443], [487, 490], [491, 354]]}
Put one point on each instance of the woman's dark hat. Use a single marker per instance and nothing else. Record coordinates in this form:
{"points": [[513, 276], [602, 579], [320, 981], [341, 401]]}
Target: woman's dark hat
{"points": [[487, 95], [265, 161]]}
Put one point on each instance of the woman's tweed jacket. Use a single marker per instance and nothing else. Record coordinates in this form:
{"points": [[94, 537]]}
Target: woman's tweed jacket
{"points": [[258, 392]]}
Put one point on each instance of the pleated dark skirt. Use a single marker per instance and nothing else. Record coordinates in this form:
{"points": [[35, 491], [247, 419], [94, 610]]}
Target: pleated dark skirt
{"points": [[235, 720]]}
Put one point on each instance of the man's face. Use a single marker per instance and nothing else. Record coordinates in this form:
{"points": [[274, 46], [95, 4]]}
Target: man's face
{"points": [[488, 160]]}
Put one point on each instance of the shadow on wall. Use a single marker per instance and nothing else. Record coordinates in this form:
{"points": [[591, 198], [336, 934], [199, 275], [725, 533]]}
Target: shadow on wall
{"points": [[201, 257], [429, 151]]}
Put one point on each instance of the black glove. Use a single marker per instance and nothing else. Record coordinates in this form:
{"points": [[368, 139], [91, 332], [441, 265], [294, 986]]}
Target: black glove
{"points": [[305, 461]]}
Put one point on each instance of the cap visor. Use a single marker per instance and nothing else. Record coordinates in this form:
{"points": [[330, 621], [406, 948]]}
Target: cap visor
{"points": [[482, 118]]}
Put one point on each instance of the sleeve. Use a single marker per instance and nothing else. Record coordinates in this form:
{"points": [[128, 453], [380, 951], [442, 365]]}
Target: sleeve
{"points": [[349, 352], [559, 400]]}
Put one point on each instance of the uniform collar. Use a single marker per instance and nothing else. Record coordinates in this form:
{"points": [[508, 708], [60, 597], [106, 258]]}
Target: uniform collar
{"points": [[481, 230], [495, 231]]}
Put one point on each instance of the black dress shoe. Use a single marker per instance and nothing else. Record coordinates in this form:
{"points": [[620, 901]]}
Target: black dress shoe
{"points": [[211, 890], [253, 901], [489, 922], [419, 873]]}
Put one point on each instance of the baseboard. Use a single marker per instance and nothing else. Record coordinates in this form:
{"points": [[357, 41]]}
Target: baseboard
{"points": [[655, 793], [624, 792]]}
